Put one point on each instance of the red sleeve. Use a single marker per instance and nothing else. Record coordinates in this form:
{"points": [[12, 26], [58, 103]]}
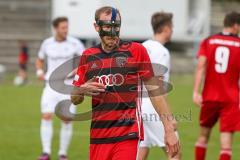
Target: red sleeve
{"points": [[239, 63], [203, 49], [145, 70], [79, 78]]}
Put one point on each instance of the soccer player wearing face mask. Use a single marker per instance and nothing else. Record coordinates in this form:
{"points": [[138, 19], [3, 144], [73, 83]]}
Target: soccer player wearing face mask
{"points": [[110, 72]]}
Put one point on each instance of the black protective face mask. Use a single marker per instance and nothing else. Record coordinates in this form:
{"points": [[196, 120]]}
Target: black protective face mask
{"points": [[113, 23]]}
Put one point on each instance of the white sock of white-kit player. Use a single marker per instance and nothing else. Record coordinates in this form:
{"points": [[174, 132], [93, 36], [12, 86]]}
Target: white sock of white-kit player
{"points": [[65, 137], [46, 131]]}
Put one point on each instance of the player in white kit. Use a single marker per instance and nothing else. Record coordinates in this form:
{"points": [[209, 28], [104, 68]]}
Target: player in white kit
{"points": [[159, 56], [55, 51]]}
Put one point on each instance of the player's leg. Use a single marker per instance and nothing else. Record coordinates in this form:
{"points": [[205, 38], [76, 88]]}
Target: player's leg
{"points": [[226, 145], [65, 134], [46, 128], [20, 79], [65, 138], [201, 144], [208, 117], [143, 153], [229, 123], [23, 71], [46, 132]]}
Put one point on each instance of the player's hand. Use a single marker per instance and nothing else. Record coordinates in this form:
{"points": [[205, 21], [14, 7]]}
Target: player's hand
{"points": [[197, 98], [92, 88], [41, 78], [172, 143], [40, 74], [76, 98], [174, 124]]}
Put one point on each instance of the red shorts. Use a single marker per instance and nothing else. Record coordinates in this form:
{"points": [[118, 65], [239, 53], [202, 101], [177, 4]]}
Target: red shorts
{"points": [[227, 113], [125, 150]]}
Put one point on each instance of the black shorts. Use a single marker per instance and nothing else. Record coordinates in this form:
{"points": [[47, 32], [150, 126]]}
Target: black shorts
{"points": [[23, 66]]}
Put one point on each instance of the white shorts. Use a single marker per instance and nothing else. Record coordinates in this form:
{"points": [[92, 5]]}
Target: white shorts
{"points": [[51, 98], [152, 125], [153, 134]]}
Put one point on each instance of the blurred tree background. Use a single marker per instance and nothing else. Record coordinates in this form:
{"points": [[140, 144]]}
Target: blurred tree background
{"points": [[226, 1]]}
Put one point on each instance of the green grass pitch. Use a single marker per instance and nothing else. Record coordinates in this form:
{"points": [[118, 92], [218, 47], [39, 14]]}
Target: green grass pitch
{"points": [[20, 121]]}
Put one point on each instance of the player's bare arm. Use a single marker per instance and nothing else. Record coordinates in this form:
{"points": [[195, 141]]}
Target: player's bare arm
{"points": [[39, 66], [161, 106], [199, 75], [89, 88]]}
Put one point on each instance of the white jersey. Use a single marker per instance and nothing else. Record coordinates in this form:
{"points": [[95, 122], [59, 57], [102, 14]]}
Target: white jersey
{"points": [[158, 54], [153, 127], [56, 53]]}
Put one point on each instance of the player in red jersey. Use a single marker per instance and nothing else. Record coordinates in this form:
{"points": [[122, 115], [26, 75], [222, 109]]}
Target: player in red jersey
{"points": [[23, 58], [218, 65], [110, 73]]}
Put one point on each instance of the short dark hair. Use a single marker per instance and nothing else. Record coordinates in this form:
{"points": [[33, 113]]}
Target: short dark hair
{"points": [[159, 20], [58, 20], [105, 9], [231, 19]]}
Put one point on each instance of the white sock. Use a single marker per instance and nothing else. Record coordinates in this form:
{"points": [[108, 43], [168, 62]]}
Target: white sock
{"points": [[65, 138], [46, 131]]}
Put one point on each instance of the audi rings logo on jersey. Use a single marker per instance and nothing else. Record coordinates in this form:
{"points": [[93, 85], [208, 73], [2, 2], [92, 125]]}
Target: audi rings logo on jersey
{"points": [[111, 79]]}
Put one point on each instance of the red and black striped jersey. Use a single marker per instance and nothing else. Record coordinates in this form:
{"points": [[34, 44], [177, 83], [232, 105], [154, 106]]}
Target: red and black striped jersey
{"points": [[115, 112]]}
